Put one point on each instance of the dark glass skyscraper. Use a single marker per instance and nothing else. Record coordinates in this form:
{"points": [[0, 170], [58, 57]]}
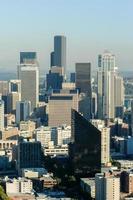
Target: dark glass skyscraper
{"points": [[60, 51], [28, 57], [85, 150], [83, 77], [83, 83]]}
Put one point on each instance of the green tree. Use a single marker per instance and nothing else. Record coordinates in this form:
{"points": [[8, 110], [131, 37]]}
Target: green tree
{"points": [[3, 196]]}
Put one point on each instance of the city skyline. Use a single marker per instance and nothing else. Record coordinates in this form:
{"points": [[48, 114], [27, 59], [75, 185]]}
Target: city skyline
{"points": [[103, 25]]}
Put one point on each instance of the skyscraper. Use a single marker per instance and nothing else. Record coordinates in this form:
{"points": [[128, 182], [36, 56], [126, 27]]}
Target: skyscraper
{"points": [[23, 110], [60, 51], [28, 57], [83, 77], [1, 115], [119, 96], [107, 86], [14, 95], [85, 150], [83, 83], [29, 76], [12, 98]]}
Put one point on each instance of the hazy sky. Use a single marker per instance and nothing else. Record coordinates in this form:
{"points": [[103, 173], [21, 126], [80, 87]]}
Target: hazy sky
{"points": [[91, 26]]}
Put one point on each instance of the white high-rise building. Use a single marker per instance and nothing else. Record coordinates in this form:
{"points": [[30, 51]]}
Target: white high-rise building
{"points": [[105, 140], [29, 76], [1, 115], [105, 146], [107, 187], [23, 110], [108, 83]]}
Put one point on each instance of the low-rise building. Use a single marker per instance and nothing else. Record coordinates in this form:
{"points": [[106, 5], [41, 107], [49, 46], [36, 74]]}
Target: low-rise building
{"points": [[88, 186], [20, 185]]}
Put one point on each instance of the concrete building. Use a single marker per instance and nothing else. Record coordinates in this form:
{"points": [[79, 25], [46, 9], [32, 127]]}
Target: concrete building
{"points": [[119, 97], [56, 151], [43, 135], [4, 88], [107, 187], [33, 172], [27, 126], [20, 185], [29, 76], [23, 110], [63, 135], [10, 133], [88, 186], [105, 146], [9, 119], [7, 144], [105, 140], [60, 104], [68, 86], [12, 99]]}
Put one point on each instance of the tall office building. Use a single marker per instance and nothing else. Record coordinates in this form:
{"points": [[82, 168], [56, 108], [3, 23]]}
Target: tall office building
{"points": [[23, 110], [60, 104], [60, 51], [107, 187], [1, 115], [29, 76], [83, 77], [107, 95], [28, 57], [83, 83], [12, 98], [29, 154], [4, 87], [85, 150], [119, 97]]}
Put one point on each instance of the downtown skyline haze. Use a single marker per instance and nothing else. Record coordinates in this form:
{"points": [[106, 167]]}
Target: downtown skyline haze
{"points": [[89, 26]]}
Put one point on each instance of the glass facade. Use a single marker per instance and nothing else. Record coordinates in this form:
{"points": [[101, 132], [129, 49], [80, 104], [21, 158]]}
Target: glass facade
{"points": [[85, 150], [27, 57]]}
